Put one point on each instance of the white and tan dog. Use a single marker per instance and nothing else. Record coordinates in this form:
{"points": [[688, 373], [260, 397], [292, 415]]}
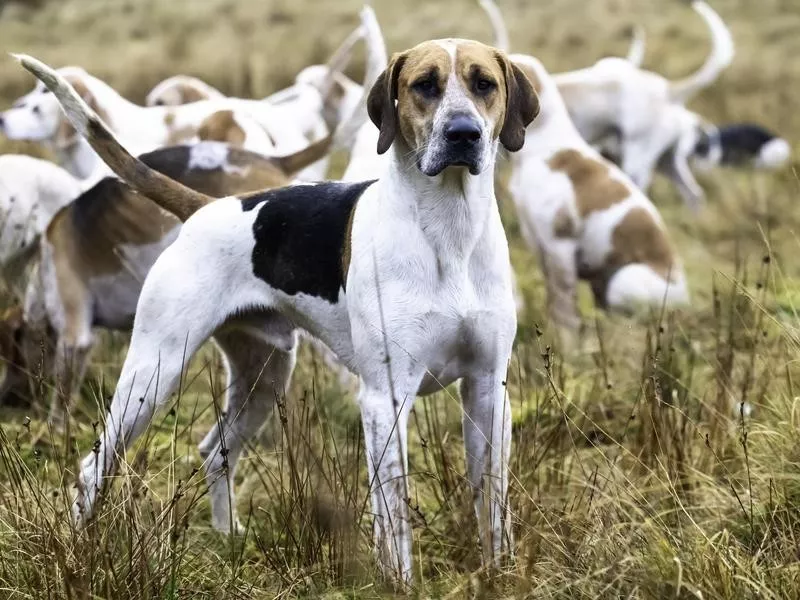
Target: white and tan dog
{"points": [[586, 219], [639, 117], [38, 117], [406, 279], [321, 98]]}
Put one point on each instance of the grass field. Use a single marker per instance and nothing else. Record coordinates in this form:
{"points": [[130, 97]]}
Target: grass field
{"points": [[634, 474]]}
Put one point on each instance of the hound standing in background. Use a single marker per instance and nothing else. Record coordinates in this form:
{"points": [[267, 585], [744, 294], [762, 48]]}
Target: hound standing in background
{"points": [[38, 117], [97, 250], [586, 219], [407, 280], [321, 98], [638, 116]]}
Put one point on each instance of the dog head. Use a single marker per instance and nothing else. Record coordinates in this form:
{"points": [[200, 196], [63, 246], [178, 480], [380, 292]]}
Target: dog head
{"points": [[37, 116], [448, 102], [181, 89]]}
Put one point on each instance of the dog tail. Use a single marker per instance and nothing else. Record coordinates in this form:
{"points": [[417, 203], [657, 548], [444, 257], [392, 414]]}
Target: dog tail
{"points": [[167, 193], [292, 163], [377, 61], [499, 29], [722, 51], [636, 51], [339, 60]]}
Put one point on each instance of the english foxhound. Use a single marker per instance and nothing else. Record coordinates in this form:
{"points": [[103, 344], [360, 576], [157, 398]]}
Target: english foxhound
{"points": [[321, 98], [406, 279], [38, 117], [97, 249], [639, 117], [586, 219]]}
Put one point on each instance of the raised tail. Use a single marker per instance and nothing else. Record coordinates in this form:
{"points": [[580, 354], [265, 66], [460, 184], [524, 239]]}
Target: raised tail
{"points": [[636, 51], [340, 59], [499, 29], [293, 163], [377, 61], [170, 195], [722, 51]]}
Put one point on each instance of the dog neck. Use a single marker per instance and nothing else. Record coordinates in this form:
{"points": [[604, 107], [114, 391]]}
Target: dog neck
{"points": [[452, 209]]}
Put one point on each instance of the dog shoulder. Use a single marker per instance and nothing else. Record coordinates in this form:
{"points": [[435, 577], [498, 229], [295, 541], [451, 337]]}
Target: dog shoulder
{"points": [[302, 236]]}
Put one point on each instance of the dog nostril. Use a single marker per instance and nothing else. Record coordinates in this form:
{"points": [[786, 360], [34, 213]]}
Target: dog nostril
{"points": [[462, 130]]}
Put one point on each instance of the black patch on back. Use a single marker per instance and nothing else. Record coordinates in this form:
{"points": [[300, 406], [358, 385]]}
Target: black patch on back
{"points": [[89, 209], [172, 161], [742, 142], [300, 236]]}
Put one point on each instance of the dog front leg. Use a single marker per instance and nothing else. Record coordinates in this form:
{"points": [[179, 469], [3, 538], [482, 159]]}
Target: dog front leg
{"points": [[385, 420], [675, 166], [487, 441]]}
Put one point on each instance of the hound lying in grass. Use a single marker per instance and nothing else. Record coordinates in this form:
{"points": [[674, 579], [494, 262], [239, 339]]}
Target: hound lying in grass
{"points": [[406, 279]]}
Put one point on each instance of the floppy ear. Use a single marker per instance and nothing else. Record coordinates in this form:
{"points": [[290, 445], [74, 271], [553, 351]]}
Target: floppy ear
{"points": [[381, 102], [522, 105]]}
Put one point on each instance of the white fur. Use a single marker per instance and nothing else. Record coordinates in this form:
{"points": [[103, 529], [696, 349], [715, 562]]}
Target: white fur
{"points": [[31, 192], [774, 154]]}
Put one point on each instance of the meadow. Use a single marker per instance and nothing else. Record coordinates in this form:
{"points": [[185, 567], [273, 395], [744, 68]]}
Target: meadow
{"points": [[662, 460]]}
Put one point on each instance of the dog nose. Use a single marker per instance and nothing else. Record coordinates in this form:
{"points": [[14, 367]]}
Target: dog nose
{"points": [[2, 121], [462, 130]]}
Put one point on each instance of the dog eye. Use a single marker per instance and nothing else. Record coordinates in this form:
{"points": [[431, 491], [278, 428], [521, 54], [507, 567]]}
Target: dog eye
{"points": [[485, 85], [36, 110], [46, 91], [426, 87]]}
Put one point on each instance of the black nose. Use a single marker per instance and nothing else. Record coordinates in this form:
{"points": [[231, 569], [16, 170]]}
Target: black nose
{"points": [[462, 130], [1, 121]]}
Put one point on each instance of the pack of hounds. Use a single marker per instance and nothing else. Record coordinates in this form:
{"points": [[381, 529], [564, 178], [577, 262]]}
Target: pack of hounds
{"points": [[399, 272]]}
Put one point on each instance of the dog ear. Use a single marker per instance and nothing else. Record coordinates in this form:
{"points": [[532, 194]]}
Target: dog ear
{"points": [[522, 105], [381, 102]]}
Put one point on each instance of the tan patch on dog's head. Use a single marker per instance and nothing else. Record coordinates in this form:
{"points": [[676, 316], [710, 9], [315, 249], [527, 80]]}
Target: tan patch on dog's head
{"points": [[186, 93], [638, 238], [417, 79], [595, 188], [66, 134], [221, 126]]}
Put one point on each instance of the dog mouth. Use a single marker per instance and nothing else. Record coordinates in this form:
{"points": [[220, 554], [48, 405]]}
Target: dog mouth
{"points": [[471, 162]]}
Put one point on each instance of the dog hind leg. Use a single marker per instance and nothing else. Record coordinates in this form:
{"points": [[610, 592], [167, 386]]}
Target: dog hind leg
{"points": [[167, 332], [258, 375]]}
